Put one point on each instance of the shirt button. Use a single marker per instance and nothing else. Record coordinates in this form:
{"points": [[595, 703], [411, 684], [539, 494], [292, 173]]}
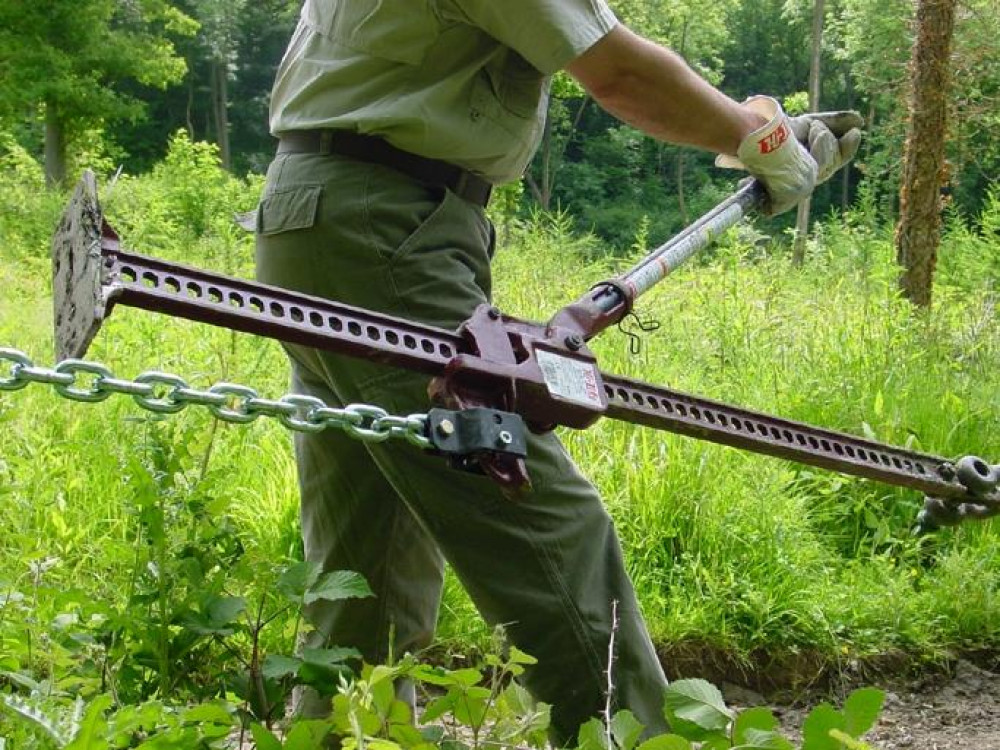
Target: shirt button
{"points": [[475, 114]]}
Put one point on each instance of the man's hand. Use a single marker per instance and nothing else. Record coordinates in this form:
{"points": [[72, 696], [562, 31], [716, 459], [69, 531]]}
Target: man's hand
{"points": [[790, 156]]}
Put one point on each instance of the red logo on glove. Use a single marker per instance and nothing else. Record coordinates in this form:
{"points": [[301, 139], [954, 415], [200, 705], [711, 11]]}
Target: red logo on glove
{"points": [[773, 140]]}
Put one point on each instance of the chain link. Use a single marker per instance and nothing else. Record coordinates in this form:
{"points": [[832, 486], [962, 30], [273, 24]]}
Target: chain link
{"points": [[165, 393]]}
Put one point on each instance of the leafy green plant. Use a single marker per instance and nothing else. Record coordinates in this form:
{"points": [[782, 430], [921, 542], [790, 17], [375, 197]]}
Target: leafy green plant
{"points": [[697, 713]]}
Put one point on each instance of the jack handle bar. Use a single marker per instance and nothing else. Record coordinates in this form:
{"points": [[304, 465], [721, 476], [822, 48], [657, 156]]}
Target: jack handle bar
{"points": [[610, 301]]}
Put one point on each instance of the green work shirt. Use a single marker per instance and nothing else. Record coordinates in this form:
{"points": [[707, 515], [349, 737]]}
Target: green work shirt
{"points": [[465, 81]]}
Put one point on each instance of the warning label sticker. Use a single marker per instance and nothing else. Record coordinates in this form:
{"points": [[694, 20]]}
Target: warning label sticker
{"points": [[570, 379]]}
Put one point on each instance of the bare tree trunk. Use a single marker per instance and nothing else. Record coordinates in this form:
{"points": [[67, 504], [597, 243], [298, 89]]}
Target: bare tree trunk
{"points": [[802, 218], [551, 157], [55, 146], [190, 107], [542, 192], [547, 178], [681, 200], [919, 229], [220, 109], [845, 173]]}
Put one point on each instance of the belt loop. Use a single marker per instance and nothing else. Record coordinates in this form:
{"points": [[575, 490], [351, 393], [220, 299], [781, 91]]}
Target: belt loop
{"points": [[325, 141], [461, 183]]}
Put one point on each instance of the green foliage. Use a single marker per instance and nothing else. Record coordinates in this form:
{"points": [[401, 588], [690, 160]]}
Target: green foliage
{"points": [[877, 37], [153, 561], [29, 212], [699, 718], [67, 61]]}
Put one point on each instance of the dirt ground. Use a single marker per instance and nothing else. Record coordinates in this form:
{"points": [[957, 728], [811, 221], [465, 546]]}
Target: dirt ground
{"points": [[955, 711]]}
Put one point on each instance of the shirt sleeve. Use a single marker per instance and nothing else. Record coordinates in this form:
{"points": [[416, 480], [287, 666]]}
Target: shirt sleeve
{"points": [[547, 33]]}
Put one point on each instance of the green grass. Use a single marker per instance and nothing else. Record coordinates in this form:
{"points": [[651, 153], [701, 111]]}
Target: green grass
{"points": [[733, 555]]}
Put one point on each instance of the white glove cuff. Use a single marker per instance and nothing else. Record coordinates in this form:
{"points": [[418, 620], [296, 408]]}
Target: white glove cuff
{"points": [[773, 154], [766, 140]]}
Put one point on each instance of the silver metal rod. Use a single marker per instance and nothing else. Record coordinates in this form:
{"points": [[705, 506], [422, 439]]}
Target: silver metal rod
{"points": [[661, 262]]}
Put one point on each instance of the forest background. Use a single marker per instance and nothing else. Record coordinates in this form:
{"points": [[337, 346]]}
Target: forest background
{"points": [[116, 80], [148, 562]]}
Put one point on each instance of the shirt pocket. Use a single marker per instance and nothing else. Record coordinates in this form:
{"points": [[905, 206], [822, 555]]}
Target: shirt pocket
{"points": [[398, 30], [512, 82], [288, 210]]}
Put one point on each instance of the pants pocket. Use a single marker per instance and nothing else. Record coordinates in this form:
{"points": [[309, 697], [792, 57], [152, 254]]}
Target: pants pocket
{"points": [[288, 209], [399, 212]]}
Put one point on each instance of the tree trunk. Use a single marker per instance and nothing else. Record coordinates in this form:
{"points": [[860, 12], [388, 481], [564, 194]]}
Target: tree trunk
{"points": [[543, 192], [681, 200], [55, 146], [845, 173], [802, 218], [919, 229], [220, 109]]}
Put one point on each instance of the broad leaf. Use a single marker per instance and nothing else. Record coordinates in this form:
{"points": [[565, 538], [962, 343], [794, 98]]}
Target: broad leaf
{"points": [[431, 675], [297, 579], [382, 692], [517, 656], [666, 742], [322, 667], [378, 743], [761, 739], [263, 738], [816, 728], [438, 708], [465, 677], [470, 706], [433, 734], [223, 610], [407, 735], [759, 718], [337, 585], [715, 742], [697, 702], [625, 729], [208, 713], [593, 736], [862, 709], [217, 616], [329, 657], [307, 735], [276, 666]]}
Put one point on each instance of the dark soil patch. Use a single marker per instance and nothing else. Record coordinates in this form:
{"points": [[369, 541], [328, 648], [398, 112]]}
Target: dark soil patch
{"points": [[952, 707], [954, 710]]}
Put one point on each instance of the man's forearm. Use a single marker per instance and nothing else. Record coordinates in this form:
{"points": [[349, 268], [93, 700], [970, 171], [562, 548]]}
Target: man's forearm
{"points": [[654, 90]]}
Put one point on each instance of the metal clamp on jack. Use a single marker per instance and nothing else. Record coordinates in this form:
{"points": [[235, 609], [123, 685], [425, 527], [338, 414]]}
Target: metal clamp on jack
{"points": [[466, 434]]}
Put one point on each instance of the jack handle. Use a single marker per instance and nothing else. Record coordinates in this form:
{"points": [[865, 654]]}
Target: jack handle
{"points": [[609, 301]]}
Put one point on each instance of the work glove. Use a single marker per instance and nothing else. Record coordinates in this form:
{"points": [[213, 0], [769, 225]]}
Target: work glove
{"points": [[790, 156]]}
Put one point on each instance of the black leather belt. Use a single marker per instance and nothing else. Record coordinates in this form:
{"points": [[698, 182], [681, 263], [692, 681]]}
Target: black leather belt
{"points": [[378, 151]]}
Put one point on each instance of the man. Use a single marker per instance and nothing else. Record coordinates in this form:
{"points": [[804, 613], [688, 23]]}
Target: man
{"points": [[395, 118]]}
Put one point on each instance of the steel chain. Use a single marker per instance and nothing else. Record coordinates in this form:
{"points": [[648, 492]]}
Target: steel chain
{"points": [[165, 393]]}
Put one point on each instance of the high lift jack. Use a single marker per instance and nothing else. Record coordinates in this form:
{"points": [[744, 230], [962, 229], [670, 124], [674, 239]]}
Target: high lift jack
{"points": [[544, 372]]}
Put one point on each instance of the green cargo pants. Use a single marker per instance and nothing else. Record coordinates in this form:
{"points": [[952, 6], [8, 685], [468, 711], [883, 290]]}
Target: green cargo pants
{"points": [[549, 566]]}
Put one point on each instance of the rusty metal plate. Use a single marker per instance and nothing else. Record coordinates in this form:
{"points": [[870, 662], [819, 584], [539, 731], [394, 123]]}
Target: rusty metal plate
{"points": [[77, 295]]}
